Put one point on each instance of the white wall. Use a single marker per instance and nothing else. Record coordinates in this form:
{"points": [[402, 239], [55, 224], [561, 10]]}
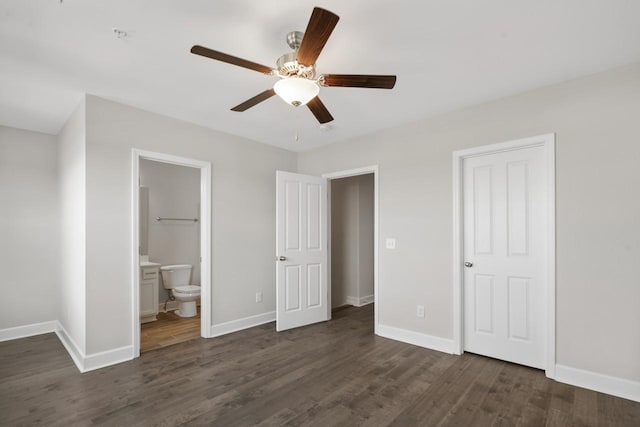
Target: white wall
{"points": [[72, 199], [174, 192], [351, 239], [28, 228], [243, 214], [598, 210]]}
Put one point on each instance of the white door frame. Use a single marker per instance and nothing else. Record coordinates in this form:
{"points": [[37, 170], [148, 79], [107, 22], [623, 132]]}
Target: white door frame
{"points": [[548, 143], [205, 238], [346, 174]]}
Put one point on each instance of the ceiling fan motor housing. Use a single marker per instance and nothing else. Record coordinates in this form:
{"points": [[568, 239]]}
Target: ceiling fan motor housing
{"points": [[288, 66]]}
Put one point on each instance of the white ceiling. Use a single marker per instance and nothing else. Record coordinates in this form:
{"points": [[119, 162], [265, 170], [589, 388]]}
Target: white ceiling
{"points": [[446, 54]]}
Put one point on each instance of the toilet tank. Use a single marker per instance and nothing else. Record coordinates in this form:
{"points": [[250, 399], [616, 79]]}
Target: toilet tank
{"points": [[175, 275]]}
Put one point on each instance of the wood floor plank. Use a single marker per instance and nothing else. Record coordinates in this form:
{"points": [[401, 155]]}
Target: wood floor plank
{"points": [[168, 329], [585, 408], [332, 373]]}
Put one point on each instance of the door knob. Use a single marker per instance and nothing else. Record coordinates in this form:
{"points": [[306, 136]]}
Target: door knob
{"points": [[468, 264], [282, 258]]}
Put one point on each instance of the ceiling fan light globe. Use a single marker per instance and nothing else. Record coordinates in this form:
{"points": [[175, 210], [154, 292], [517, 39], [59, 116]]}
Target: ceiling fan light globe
{"points": [[296, 91]]}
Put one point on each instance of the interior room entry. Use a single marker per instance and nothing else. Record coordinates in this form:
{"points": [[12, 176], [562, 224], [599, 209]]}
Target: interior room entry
{"points": [[169, 254], [151, 266], [352, 240], [505, 223], [303, 246]]}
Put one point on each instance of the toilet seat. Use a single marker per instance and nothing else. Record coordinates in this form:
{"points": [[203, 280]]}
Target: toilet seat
{"points": [[188, 289]]}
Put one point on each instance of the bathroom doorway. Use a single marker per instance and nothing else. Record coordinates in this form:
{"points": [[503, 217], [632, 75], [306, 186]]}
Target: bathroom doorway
{"points": [[171, 250]]}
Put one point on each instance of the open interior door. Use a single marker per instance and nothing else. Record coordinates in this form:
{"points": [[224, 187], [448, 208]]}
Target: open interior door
{"points": [[301, 250]]}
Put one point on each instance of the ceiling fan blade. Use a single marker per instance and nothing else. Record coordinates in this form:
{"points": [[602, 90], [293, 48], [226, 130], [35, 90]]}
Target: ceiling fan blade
{"points": [[319, 110], [234, 60], [254, 101], [358, 80], [319, 28]]}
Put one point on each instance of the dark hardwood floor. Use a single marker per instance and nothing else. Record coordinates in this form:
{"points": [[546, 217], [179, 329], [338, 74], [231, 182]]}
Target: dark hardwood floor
{"points": [[334, 373]]}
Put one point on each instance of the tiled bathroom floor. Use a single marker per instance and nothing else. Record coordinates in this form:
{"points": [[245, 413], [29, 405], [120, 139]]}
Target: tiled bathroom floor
{"points": [[169, 329]]}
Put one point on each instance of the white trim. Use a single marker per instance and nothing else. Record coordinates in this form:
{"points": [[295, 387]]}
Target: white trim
{"points": [[93, 361], [107, 358], [417, 338], [244, 323], [614, 386], [77, 355], [351, 172], [359, 302], [548, 143], [351, 301], [205, 239], [171, 305], [25, 331], [368, 299], [376, 221]]}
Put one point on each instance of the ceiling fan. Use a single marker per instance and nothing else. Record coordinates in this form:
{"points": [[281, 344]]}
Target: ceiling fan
{"points": [[299, 84]]}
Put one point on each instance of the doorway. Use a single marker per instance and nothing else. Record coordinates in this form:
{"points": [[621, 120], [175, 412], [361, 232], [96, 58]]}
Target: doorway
{"points": [[303, 247], [352, 250], [171, 256], [504, 251], [371, 179]]}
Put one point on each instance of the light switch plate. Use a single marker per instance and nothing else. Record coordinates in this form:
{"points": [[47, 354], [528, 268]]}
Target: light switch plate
{"points": [[391, 243], [420, 311], [258, 297]]}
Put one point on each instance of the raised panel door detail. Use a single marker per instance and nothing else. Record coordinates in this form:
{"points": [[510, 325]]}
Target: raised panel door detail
{"points": [[517, 209], [301, 250], [313, 285], [518, 307], [314, 216], [292, 212], [483, 303], [292, 287], [504, 233], [482, 209]]}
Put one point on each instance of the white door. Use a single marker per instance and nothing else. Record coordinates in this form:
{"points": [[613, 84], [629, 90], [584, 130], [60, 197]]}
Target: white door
{"points": [[504, 253], [301, 250]]}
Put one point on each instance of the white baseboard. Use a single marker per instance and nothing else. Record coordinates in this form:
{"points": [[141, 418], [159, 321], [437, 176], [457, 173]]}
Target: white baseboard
{"points": [[28, 330], [614, 386], [76, 353], [107, 358], [365, 300], [244, 323], [89, 362], [171, 305], [358, 302], [416, 338], [350, 301]]}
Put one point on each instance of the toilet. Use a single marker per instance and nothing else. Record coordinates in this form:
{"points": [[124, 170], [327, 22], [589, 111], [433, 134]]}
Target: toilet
{"points": [[177, 278]]}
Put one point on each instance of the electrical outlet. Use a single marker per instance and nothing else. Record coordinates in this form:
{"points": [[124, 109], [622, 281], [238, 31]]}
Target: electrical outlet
{"points": [[390, 243], [258, 297], [420, 311]]}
